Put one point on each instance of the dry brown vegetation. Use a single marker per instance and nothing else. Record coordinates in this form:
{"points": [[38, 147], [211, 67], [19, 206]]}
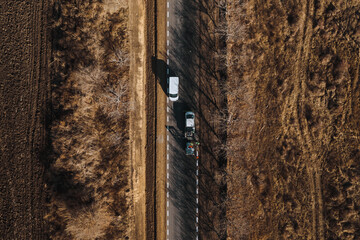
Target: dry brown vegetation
{"points": [[89, 175], [293, 119]]}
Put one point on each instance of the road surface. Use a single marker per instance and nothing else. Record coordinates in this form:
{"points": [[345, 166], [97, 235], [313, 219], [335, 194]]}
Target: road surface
{"points": [[182, 170]]}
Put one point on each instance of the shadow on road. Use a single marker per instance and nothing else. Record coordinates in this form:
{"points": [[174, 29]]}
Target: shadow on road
{"points": [[193, 50], [159, 67]]}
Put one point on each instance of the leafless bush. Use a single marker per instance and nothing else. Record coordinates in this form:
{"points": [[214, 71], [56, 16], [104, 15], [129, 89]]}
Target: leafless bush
{"points": [[235, 29], [121, 57], [90, 222], [90, 171], [239, 117]]}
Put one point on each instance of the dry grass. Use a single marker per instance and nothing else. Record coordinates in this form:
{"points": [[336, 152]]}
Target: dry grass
{"points": [[90, 171], [293, 117]]}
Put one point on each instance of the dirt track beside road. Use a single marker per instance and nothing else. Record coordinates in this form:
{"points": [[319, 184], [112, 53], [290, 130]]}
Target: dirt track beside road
{"points": [[24, 94], [143, 128]]}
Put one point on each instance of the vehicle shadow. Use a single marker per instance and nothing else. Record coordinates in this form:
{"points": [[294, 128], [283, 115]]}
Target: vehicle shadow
{"points": [[162, 71], [159, 67]]}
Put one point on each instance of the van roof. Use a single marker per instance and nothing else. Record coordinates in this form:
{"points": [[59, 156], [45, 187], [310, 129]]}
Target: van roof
{"points": [[173, 85]]}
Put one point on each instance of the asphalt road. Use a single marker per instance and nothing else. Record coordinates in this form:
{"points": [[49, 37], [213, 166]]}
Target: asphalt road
{"points": [[182, 199]]}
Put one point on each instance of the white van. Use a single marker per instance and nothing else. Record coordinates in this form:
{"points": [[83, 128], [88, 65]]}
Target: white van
{"points": [[173, 88]]}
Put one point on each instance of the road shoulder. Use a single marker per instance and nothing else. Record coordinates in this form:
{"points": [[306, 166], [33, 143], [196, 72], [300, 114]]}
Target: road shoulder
{"points": [[137, 117]]}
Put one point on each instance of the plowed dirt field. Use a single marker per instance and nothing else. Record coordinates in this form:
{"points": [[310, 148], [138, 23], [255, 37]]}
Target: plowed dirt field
{"points": [[24, 92]]}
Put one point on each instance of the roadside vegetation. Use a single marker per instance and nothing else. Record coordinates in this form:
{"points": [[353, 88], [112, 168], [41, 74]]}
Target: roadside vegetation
{"points": [[292, 120], [88, 176]]}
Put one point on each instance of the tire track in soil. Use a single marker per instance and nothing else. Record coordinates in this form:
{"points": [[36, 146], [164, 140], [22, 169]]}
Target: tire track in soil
{"points": [[294, 110], [313, 165], [34, 88]]}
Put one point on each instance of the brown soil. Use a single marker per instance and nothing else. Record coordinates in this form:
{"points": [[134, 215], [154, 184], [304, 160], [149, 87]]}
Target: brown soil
{"points": [[150, 108], [161, 102], [138, 123], [24, 95], [147, 120], [293, 126]]}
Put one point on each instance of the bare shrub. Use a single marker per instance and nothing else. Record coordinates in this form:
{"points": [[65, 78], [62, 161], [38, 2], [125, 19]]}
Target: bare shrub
{"points": [[90, 222], [89, 174]]}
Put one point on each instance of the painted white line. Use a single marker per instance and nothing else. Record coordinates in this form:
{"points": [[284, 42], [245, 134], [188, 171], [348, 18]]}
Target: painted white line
{"points": [[197, 200], [197, 219], [197, 170], [168, 148], [167, 118], [168, 194], [168, 34], [168, 24], [197, 181], [168, 233], [167, 157], [167, 100], [167, 214], [167, 61], [197, 229], [197, 210], [168, 185], [168, 204], [168, 137], [168, 42], [167, 175], [167, 70], [197, 191], [168, 4], [167, 52], [168, 14], [168, 109]]}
